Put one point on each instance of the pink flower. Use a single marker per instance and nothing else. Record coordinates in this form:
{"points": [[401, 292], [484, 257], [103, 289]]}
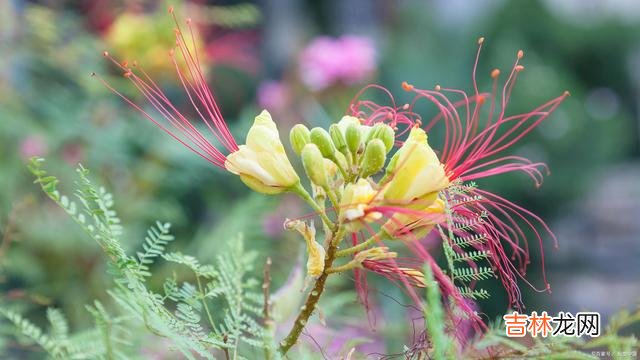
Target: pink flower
{"points": [[328, 61], [273, 95], [33, 145], [73, 153]]}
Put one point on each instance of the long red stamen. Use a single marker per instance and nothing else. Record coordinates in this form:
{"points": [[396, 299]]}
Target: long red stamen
{"points": [[175, 123]]}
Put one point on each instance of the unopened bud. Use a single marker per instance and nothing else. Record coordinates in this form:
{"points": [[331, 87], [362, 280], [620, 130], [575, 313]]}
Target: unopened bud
{"points": [[299, 137], [338, 138], [354, 138], [385, 133], [321, 138], [375, 254], [313, 163], [374, 157], [340, 160]]}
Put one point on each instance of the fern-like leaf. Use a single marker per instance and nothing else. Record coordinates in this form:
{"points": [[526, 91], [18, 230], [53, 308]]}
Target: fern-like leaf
{"points": [[470, 274]]}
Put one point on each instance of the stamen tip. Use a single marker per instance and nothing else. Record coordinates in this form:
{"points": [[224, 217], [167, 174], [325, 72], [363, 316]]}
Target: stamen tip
{"points": [[520, 54], [105, 53], [170, 9], [438, 87], [566, 93], [495, 73], [93, 73], [519, 67], [480, 40], [189, 21], [406, 86]]}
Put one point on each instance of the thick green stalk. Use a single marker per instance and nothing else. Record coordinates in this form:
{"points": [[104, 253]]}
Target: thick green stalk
{"points": [[313, 297]]}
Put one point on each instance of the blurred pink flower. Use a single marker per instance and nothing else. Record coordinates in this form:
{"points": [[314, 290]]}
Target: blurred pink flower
{"points": [[33, 145], [272, 95], [73, 153], [327, 61]]}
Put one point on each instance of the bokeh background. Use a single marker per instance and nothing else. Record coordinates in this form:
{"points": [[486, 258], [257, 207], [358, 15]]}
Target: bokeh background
{"points": [[304, 61]]}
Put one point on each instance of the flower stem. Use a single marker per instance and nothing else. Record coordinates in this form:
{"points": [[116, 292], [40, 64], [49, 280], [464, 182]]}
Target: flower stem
{"points": [[363, 245], [302, 192], [346, 267], [314, 295]]}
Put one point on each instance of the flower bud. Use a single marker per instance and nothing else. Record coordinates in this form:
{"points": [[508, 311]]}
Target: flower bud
{"points": [[340, 160], [353, 138], [313, 164], [356, 198], [338, 138], [374, 157], [262, 163], [299, 137], [322, 139], [346, 121], [383, 132], [375, 254]]}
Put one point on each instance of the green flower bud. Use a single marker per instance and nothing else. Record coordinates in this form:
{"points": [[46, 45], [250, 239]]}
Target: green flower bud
{"points": [[299, 137], [374, 157], [354, 138], [383, 132], [340, 160], [321, 138], [313, 164], [338, 138]]}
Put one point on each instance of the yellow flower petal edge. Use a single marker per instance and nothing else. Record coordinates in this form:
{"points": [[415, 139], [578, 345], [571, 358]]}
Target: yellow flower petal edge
{"points": [[262, 163], [414, 171]]}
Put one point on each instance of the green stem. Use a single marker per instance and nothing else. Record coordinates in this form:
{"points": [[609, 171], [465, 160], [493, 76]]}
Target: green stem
{"points": [[302, 192], [346, 267], [332, 197], [363, 245], [314, 295], [204, 302]]}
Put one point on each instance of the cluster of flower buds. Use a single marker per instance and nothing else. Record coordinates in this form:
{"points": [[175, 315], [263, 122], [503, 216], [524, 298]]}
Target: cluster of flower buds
{"points": [[357, 150]]}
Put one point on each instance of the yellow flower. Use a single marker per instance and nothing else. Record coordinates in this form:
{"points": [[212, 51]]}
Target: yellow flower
{"points": [[144, 37], [262, 163], [355, 200], [414, 172], [315, 251], [415, 225]]}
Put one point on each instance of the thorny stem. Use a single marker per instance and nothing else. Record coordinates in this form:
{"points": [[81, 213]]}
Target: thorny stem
{"points": [[363, 245], [314, 295]]}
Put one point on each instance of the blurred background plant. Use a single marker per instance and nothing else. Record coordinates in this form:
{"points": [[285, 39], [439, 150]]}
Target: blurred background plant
{"points": [[304, 61]]}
